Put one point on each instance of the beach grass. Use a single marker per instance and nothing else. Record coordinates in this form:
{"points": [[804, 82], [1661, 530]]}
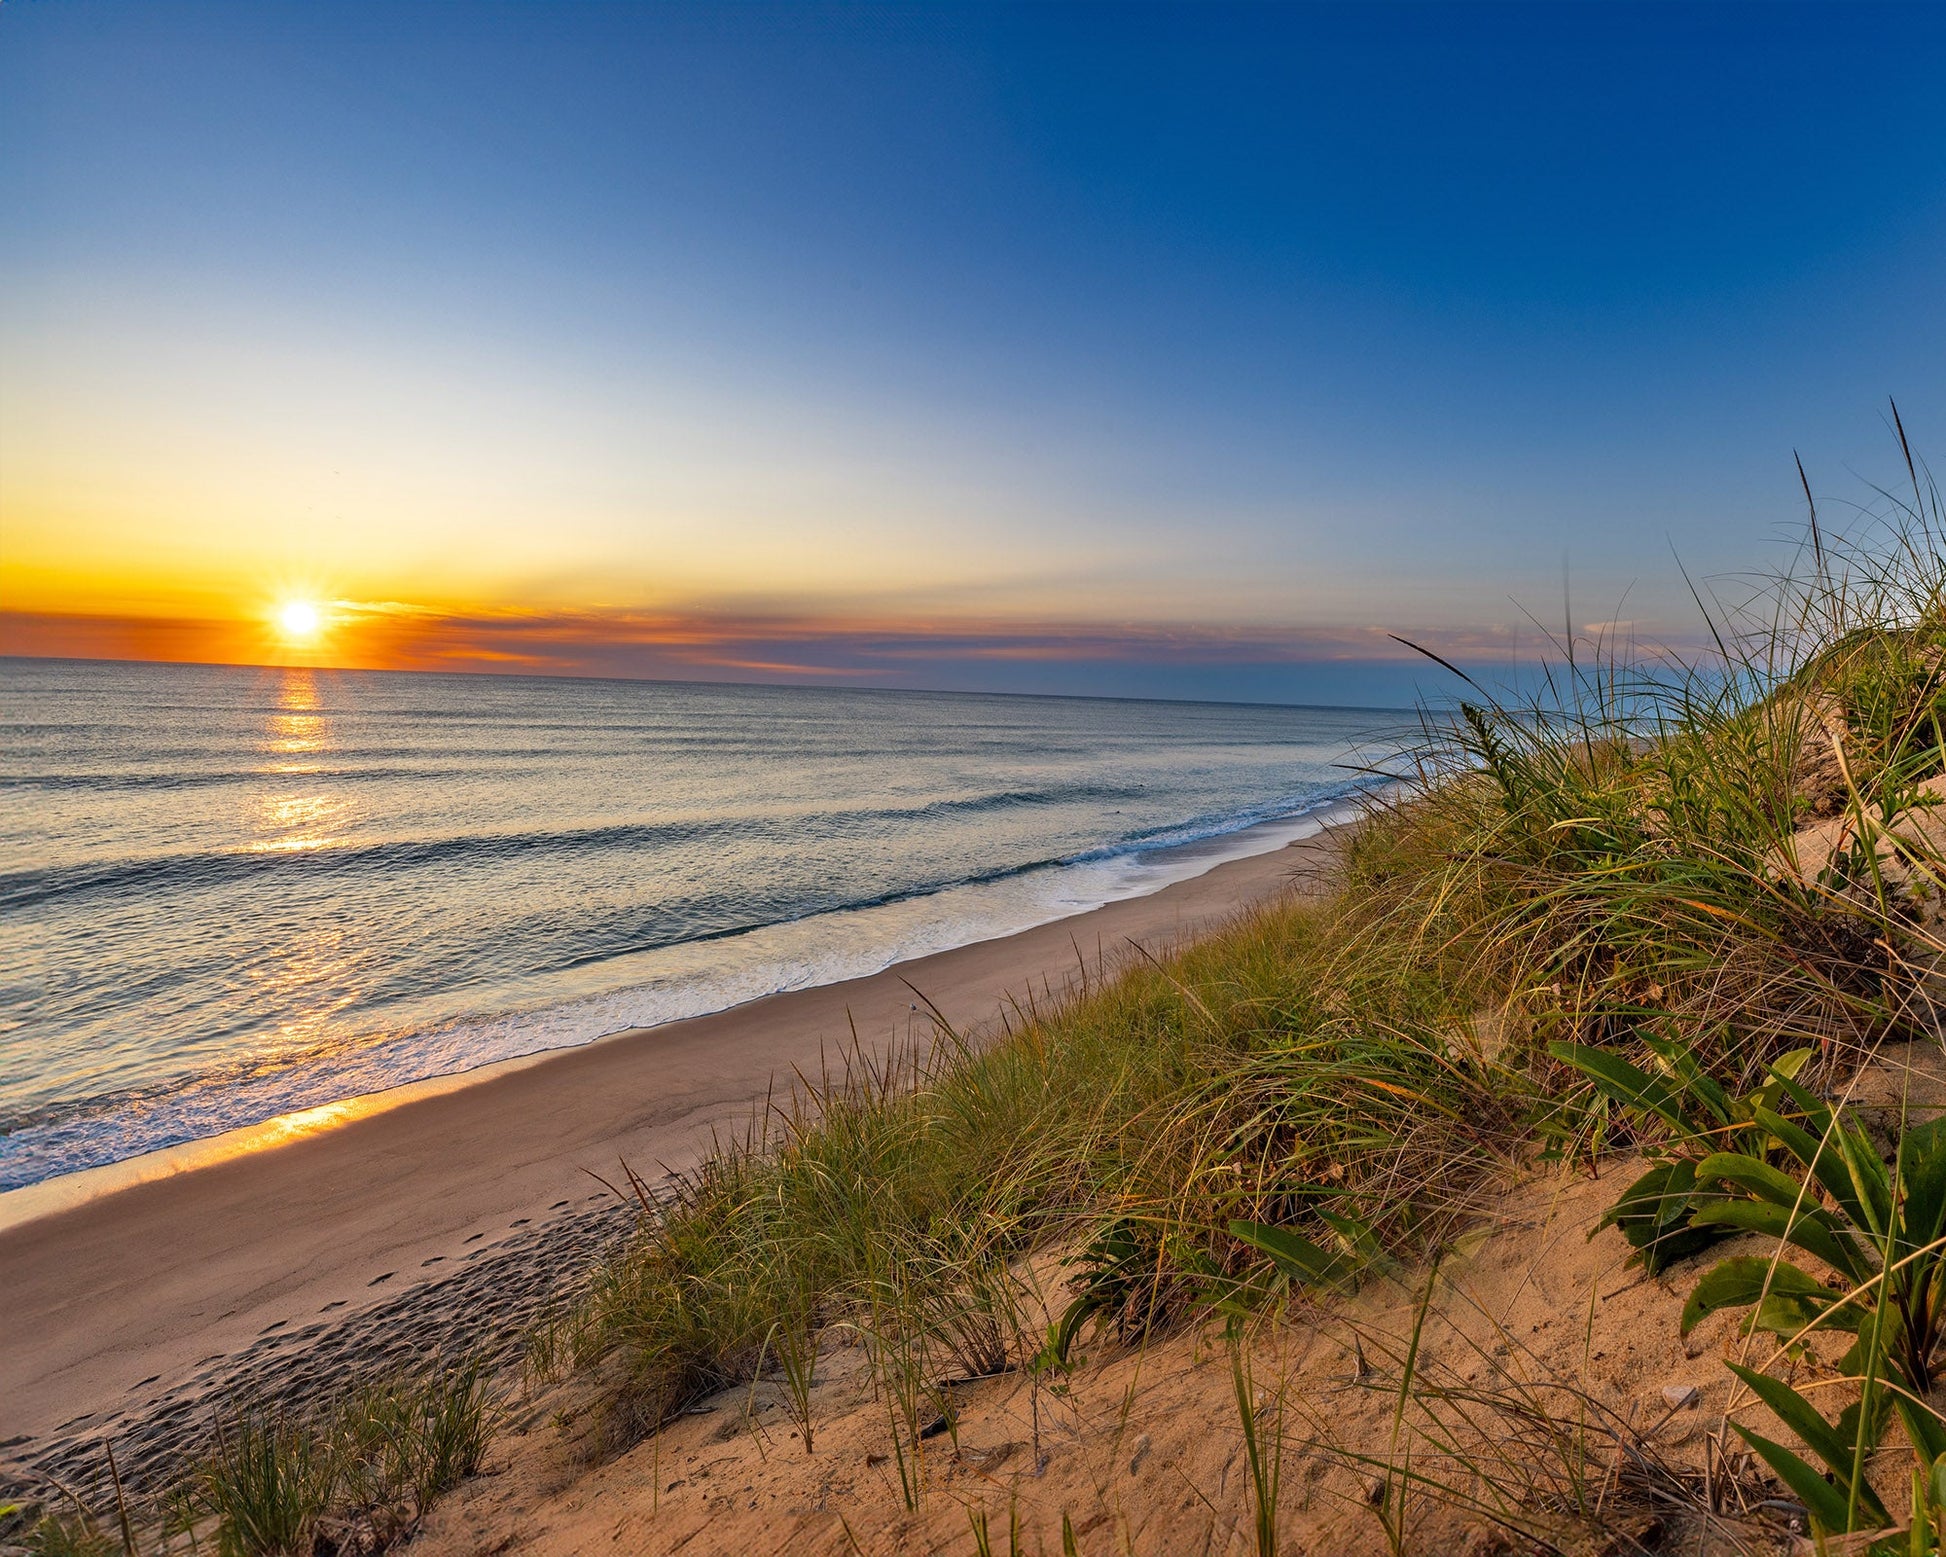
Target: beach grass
{"points": [[1300, 1062], [354, 1474]]}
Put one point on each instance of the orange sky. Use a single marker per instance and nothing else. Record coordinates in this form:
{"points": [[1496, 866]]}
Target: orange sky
{"points": [[738, 341], [390, 636]]}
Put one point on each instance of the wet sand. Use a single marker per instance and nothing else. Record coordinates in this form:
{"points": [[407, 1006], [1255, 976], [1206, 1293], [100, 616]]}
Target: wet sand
{"points": [[453, 1219]]}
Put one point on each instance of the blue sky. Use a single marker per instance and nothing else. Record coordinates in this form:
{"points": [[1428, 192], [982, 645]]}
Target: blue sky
{"points": [[1182, 350]]}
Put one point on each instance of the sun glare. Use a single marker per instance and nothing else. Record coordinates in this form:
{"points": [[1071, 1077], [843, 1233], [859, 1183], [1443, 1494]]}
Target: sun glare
{"points": [[299, 620]]}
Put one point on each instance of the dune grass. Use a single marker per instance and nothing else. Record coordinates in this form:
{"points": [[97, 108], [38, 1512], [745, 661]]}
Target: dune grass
{"points": [[1731, 851], [352, 1475], [1299, 1062]]}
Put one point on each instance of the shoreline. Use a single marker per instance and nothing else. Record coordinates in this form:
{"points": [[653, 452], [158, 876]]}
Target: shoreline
{"points": [[212, 1260], [66, 1191]]}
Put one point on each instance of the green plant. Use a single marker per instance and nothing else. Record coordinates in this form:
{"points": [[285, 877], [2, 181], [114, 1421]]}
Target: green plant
{"points": [[796, 1351], [1926, 1523], [70, 1535], [1118, 1266], [266, 1484], [1882, 1228], [983, 1532], [1726, 852], [1656, 1213], [400, 1443], [970, 1306], [276, 1482], [1354, 1248], [1263, 1451]]}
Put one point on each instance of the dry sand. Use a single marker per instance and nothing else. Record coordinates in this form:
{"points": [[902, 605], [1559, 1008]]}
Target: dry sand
{"points": [[1543, 1360], [450, 1218]]}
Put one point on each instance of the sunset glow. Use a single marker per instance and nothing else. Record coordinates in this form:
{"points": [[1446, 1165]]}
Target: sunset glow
{"points": [[949, 354]]}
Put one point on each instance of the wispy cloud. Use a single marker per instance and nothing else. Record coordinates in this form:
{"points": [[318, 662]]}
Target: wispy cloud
{"points": [[732, 645], [798, 646]]}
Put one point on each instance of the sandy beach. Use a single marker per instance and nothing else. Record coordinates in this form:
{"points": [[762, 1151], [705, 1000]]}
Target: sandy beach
{"points": [[450, 1218]]}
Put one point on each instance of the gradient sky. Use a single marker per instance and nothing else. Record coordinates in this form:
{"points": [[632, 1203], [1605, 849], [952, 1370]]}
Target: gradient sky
{"points": [[1103, 348]]}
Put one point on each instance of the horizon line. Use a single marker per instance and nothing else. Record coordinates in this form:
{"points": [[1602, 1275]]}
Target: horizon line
{"points": [[486, 673]]}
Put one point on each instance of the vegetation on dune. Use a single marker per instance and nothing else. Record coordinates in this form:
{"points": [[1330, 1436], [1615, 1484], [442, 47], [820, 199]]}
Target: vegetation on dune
{"points": [[1236, 1082], [351, 1476], [1720, 877]]}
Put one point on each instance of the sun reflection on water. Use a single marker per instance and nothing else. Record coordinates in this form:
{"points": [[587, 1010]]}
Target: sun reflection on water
{"points": [[298, 728], [308, 970], [313, 976]]}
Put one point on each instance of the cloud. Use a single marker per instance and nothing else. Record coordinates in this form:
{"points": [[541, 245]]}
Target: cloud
{"points": [[805, 645], [753, 645]]}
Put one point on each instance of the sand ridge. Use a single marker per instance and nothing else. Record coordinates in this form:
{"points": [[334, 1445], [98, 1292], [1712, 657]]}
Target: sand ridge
{"points": [[1141, 1448]]}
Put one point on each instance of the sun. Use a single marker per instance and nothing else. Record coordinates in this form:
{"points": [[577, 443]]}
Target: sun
{"points": [[299, 620]]}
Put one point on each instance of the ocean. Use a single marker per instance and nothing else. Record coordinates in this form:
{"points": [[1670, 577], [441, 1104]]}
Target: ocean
{"points": [[227, 894]]}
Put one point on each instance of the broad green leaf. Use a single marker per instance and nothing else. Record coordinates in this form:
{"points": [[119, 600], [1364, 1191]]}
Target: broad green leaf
{"points": [[1627, 1085], [1924, 1427], [1788, 1065], [1645, 1200], [1759, 1178], [1871, 1180], [1801, 1417], [1789, 1316], [1824, 1161], [1809, 1230], [1360, 1242], [1743, 1280], [1061, 1337], [1671, 1206], [1816, 1111], [1696, 1081], [1293, 1254], [1922, 1172], [1653, 1215], [1677, 1244], [1825, 1502]]}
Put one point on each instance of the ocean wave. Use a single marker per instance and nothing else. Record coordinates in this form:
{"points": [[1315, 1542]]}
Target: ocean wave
{"points": [[82, 1133], [204, 869], [56, 782], [573, 857]]}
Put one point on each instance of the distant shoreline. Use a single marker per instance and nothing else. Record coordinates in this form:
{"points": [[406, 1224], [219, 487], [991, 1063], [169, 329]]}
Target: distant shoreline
{"points": [[333, 1211]]}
